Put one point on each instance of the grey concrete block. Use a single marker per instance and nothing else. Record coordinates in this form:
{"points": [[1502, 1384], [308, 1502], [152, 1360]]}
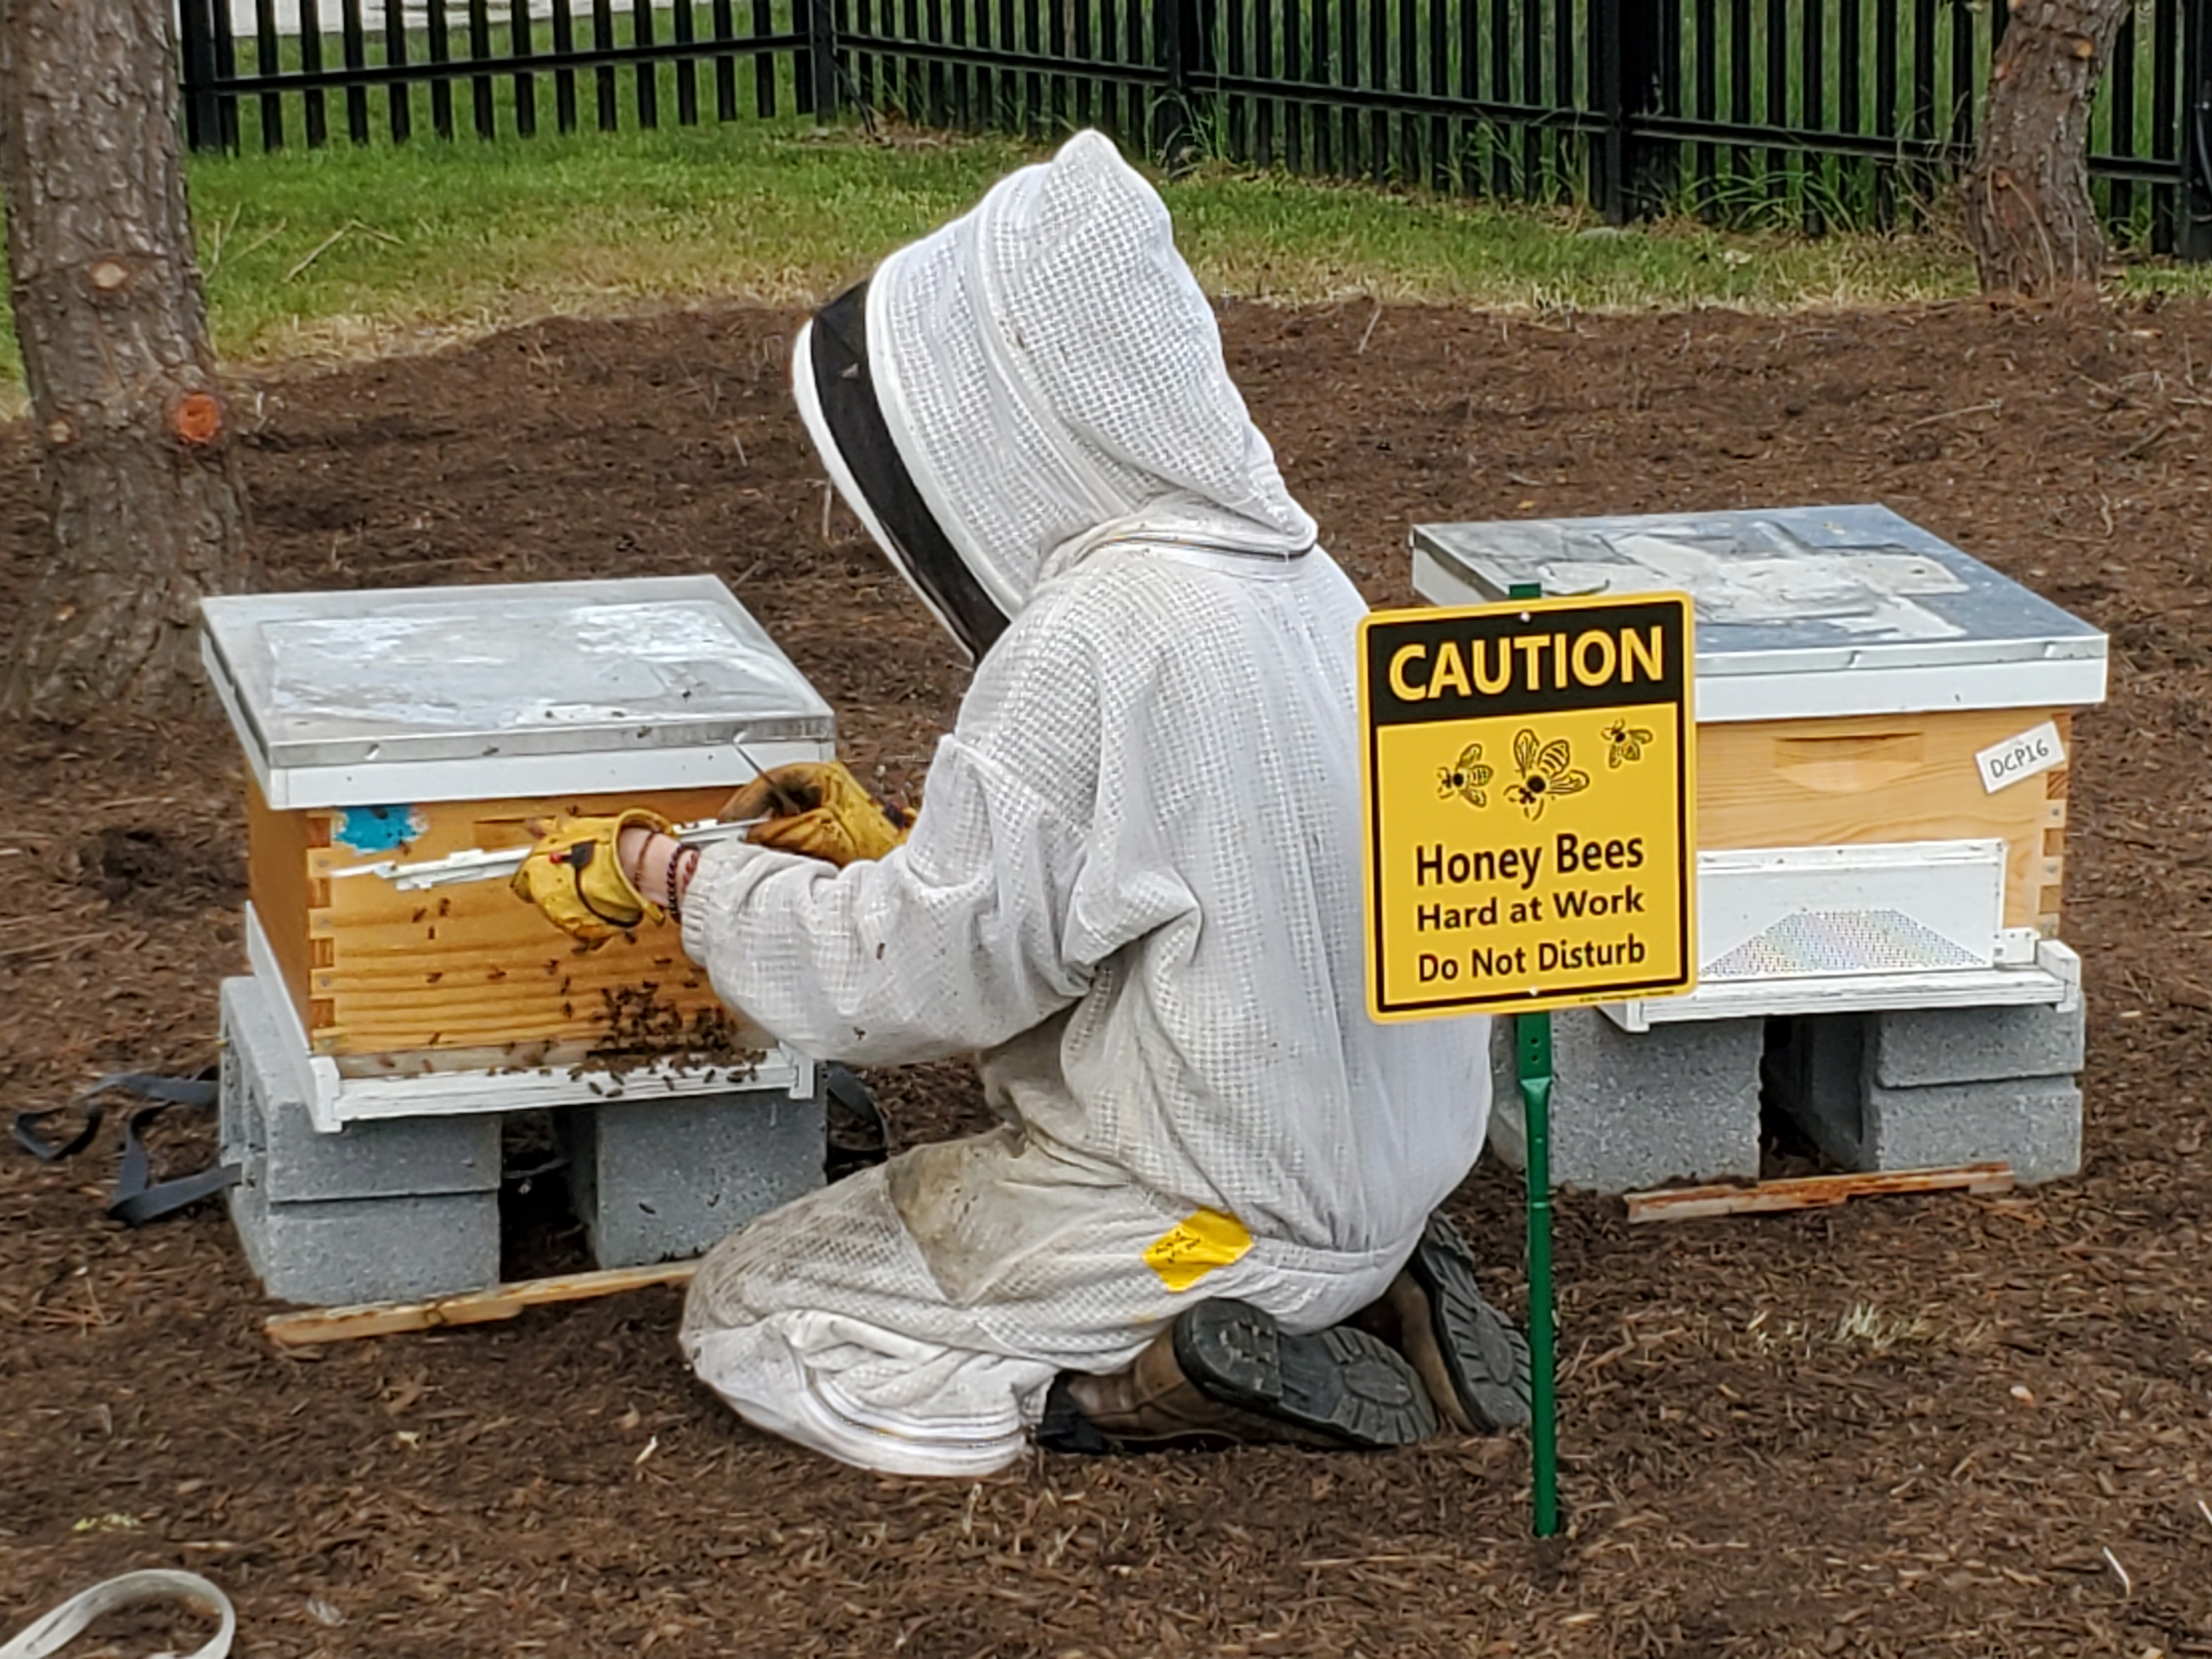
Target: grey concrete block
{"points": [[335, 1218], [1921, 1047], [372, 1249], [1827, 1073], [392, 1157], [2034, 1124], [1631, 1109], [653, 1180]]}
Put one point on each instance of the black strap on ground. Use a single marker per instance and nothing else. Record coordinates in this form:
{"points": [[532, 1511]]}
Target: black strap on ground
{"points": [[138, 1198]]}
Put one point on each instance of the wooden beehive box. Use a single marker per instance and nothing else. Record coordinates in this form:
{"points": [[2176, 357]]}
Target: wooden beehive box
{"points": [[1860, 684], [406, 725]]}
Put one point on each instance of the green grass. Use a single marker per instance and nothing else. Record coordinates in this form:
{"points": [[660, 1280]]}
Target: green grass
{"points": [[1277, 238], [343, 249], [346, 249], [339, 252]]}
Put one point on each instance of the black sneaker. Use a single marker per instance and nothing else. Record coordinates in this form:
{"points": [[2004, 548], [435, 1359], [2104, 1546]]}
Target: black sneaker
{"points": [[1468, 1353], [1337, 1385]]}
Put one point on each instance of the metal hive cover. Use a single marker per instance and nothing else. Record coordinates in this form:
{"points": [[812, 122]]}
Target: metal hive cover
{"points": [[1789, 590], [466, 674]]}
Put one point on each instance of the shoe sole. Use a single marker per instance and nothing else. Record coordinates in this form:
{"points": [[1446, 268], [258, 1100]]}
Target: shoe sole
{"points": [[1339, 1384], [1486, 1358]]}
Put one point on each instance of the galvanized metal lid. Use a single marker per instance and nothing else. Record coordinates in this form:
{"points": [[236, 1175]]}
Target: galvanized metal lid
{"points": [[1800, 612], [459, 693]]}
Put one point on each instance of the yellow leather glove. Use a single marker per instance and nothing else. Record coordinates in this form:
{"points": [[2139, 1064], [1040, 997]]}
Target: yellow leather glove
{"points": [[576, 877], [820, 809]]}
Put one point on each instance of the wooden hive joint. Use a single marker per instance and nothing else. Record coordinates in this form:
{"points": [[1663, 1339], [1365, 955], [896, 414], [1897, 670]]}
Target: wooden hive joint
{"points": [[468, 976]]}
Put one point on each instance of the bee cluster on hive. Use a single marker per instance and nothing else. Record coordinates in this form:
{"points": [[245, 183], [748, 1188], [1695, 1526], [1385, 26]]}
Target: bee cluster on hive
{"points": [[642, 1031]]}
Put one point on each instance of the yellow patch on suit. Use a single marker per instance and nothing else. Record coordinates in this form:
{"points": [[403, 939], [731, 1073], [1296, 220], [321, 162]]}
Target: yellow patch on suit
{"points": [[1195, 1246]]}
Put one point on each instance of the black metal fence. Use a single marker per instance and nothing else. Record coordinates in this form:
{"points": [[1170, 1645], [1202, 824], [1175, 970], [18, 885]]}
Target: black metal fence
{"points": [[514, 67], [1818, 111]]}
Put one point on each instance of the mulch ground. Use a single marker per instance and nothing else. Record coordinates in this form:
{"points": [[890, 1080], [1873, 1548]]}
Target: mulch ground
{"points": [[1972, 1425]]}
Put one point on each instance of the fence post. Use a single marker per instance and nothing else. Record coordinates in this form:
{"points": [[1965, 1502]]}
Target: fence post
{"points": [[1624, 78], [821, 79], [1186, 34], [203, 110], [1170, 115], [2195, 241]]}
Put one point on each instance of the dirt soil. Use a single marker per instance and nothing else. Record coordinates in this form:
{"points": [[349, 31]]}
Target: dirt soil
{"points": [[1946, 1424]]}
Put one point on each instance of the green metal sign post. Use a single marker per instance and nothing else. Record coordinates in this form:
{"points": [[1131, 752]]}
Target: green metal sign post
{"points": [[1532, 1035], [1532, 1045]]}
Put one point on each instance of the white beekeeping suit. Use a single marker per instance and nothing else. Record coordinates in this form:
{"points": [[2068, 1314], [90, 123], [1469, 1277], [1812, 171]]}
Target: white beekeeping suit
{"points": [[1134, 888]]}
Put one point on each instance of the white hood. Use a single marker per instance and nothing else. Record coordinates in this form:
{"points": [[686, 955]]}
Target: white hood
{"points": [[1051, 376]]}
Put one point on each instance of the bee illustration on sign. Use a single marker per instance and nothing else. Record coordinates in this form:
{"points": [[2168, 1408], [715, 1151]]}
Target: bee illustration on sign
{"points": [[1624, 741], [1466, 777], [1545, 773]]}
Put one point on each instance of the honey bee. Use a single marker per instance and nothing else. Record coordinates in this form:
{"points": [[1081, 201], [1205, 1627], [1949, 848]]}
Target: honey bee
{"points": [[1465, 777], [1624, 741]]}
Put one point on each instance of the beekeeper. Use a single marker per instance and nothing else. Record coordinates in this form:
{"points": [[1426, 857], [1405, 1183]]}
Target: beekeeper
{"points": [[1132, 892]]}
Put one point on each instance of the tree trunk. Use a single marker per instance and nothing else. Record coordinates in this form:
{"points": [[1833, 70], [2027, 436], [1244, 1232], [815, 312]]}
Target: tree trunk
{"points": [[2034, 227], [141, 482]]}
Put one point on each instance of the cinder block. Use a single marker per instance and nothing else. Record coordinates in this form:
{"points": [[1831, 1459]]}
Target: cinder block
{"points": [[300, 1164], [1827, 1073], [369, 1249], [392, 1157], [653, 1180], [1922, 1048], [2034, 1124], [1631, 1109], [383, 1211]]}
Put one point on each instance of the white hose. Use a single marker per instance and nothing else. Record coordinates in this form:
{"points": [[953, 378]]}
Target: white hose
{"points": [[58, 1628]]}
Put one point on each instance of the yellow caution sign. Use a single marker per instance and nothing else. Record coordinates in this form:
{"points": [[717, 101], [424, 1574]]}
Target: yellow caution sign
{"points": [[1529, 788]]}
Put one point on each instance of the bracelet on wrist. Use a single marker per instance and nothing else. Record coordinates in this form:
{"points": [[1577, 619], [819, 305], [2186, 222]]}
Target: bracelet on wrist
{"points": [[681, 869]]}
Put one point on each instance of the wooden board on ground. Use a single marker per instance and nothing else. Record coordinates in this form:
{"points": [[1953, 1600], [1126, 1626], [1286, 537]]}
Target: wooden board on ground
{"points": [[1813, 1192], [311, 1326]]}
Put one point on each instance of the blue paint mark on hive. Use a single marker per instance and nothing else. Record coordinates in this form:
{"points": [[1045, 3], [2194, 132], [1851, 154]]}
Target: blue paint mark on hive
{"points": [[377, 829]]}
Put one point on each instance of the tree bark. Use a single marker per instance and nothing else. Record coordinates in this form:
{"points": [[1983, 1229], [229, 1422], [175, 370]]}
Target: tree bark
{"points": [[141, 478], [2029, 216]]}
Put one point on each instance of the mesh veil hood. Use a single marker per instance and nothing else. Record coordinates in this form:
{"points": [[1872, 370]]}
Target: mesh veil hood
{"points": [[1050, 376]]}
